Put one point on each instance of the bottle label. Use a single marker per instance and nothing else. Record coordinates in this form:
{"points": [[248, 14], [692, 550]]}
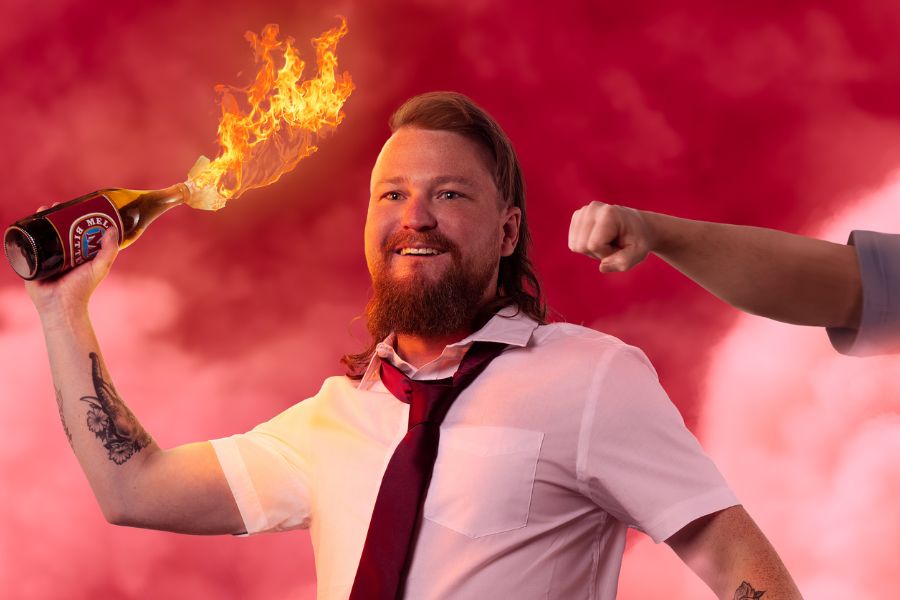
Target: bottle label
{"points": [[81, 225]]}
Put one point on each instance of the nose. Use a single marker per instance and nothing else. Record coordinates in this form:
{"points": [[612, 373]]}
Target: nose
{"points": [[418, 214]]}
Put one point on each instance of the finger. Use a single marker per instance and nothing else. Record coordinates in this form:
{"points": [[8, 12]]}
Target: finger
{"points": [[583, 227], [573, 227], [42, 208], [604, 235]]}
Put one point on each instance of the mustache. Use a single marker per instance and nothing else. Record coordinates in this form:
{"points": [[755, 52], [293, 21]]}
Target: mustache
{"points": [[431, 238]]}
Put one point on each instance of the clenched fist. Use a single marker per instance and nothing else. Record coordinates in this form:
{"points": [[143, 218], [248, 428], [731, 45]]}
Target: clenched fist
{"points": [[617, 236]]}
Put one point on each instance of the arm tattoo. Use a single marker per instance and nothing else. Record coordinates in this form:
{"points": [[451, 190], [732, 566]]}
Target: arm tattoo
{"points": [[110, 420], [746, 592], [59, 403]]}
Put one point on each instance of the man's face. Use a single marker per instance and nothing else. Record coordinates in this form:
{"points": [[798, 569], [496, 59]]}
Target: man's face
{"points": [[435, 215]]}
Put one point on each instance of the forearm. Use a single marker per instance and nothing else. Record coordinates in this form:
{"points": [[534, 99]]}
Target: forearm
{"points": [[733, 557], [750, 567], [778, 275], [107, 439]]}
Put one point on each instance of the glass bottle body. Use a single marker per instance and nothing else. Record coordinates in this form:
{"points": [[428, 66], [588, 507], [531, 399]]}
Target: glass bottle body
{"points": [[53, 241]]}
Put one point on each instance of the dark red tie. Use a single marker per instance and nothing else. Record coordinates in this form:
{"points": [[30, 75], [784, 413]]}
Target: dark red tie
{"points": [[390, 540]]}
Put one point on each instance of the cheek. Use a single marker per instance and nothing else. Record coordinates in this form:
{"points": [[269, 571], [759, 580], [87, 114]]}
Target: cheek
{"points": [[372, 242], [373, 252], [380, 220], [379, 227], [489, 240]]}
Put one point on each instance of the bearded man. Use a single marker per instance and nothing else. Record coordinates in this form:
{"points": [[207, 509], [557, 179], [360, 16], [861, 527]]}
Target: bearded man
{"points": [[473, 451]]}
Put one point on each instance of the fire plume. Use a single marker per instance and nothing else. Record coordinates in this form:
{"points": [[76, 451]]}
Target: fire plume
{"points": [[277, 120]]}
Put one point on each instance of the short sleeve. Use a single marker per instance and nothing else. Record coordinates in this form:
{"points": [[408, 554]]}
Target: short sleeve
{"points": [[879, 327], [268, 471], [637, 460]]}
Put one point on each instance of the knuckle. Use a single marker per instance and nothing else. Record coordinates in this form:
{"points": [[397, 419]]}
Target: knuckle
{"points": [[601, 208]]}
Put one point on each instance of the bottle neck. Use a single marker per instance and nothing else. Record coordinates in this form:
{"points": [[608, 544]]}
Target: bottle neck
{"points": [[141, 209], [171, 196]]}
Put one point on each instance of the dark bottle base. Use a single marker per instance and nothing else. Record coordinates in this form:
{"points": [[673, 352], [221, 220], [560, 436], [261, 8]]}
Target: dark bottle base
{"points": [[34, 249]]}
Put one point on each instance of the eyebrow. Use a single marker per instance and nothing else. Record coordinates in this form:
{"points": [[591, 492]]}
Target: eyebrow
{"points": [[439, 180]]}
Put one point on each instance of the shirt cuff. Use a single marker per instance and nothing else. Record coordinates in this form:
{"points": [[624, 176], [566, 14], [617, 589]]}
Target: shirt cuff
{"points": [[879, 328], [241, 485], [678, 516]]}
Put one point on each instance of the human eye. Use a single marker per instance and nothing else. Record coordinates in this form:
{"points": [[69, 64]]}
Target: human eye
{"points": [[393, 195], [449, 195]]}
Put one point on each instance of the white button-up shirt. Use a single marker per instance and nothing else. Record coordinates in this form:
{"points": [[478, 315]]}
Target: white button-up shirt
{"points": [[564, 441]]}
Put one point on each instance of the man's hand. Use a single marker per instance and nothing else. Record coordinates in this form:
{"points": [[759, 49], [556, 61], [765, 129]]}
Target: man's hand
{"points": [[70, 293], [617, 236]]}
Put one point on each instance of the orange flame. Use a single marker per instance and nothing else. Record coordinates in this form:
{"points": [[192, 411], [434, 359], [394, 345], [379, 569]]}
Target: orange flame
{"points": [[284, 119]]}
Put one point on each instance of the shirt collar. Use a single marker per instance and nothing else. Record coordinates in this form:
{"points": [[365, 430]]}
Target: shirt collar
{"points": [[509, 326]]}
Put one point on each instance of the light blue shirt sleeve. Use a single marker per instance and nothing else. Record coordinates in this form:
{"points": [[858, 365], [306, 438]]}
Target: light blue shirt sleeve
{"points": [[879, 327]]}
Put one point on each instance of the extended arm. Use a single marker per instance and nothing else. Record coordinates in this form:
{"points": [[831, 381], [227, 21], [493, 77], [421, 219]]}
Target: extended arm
{"points": [[778, 275], [136, 483], [732, 556]]}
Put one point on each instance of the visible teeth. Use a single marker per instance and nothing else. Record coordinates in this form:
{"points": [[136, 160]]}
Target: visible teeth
{"points": [[405, 251]]}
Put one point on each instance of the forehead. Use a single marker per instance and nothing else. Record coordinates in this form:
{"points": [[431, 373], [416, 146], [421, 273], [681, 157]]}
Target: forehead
{"points": [[422, 155]]}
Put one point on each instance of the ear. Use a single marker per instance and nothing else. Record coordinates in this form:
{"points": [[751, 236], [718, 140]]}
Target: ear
{"points": [[512, 217]]}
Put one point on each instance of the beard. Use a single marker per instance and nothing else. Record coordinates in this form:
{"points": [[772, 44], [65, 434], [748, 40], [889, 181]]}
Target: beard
{"points": [[417, 305]]}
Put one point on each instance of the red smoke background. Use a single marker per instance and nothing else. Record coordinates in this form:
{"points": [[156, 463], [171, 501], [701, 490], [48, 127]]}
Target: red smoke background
{"points": [[775, 114]]}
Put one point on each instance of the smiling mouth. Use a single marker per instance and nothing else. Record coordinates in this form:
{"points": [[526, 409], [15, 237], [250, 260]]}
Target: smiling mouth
{"points": [[418, 251]]}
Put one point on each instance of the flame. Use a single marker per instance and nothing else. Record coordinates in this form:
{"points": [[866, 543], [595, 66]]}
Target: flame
{"points": [[284, 118]]}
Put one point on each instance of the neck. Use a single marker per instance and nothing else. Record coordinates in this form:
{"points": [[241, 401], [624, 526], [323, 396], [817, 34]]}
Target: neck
{"points": [[419, 351]]}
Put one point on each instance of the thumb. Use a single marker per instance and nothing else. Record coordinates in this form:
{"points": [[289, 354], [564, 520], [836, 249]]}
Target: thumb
{"points": [[611, 264], [109, 249], [619, 261]]}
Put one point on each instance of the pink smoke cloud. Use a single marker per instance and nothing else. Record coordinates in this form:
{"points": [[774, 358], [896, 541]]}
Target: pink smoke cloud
{"points": [[764, 114]]}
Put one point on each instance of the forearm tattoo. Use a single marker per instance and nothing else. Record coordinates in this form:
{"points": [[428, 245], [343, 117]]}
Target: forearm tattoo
{"points": [[110, 420], [62, 418], [746, 592]]}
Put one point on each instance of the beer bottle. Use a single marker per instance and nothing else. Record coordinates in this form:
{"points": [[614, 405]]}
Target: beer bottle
{"points": [[52, 241]]}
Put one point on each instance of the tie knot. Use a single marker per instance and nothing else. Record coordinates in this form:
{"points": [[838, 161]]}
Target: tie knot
{"points": [[429, 400]]}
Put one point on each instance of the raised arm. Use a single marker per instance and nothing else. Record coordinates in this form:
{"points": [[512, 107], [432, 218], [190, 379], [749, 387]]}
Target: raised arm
{"points": [[778, 275], [136, 483], [732, 556]]}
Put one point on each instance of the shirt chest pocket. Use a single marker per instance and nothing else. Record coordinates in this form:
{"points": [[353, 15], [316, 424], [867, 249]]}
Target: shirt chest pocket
{"points": [[483, 479]]}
